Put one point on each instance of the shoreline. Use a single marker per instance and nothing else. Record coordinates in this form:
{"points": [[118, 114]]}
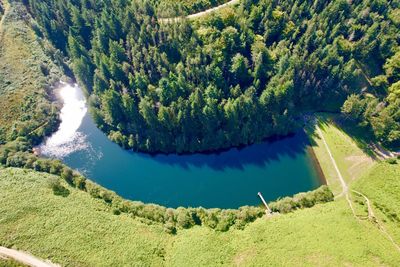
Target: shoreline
{"points": [[317, 166], [321, 180]]}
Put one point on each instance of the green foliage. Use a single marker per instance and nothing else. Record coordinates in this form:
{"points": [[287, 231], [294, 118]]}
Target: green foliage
{"points": [[35, 220], [14, 154], [67, 175], [57, 187], [381, 117], [391, 161], [27, 73], [266, 64], [303, 200], [9, 262]]}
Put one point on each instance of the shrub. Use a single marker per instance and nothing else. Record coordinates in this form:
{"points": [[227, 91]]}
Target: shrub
{"points": [[79, 182], [116, 212], [303, 200], [41, 165], [184, 218], [55, 167], [57, 187], [391, 161], [93, 189], [16, 159], [169, 227], [68, 175], [106, 196]]}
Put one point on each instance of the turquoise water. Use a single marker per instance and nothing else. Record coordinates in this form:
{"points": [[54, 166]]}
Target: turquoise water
{"points": [[228, 179]]}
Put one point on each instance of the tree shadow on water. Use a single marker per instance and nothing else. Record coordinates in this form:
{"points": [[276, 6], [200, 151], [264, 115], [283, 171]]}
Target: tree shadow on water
{"points": [[237, 158]]}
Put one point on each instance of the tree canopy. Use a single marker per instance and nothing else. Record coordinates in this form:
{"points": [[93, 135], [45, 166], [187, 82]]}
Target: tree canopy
{"points": [[232, 78]]}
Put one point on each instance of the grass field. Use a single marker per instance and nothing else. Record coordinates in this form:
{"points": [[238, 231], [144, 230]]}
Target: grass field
{"points": [[349, 155], [9, 263], [78, 230], [81, 231], [25, 74], [382, 185]]}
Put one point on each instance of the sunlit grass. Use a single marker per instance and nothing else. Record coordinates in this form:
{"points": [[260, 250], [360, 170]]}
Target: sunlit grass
{"points": [[352, 161], [25, 73], [78, 230]]}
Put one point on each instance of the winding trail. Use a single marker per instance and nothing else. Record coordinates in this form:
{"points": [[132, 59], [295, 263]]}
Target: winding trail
{"points": [[374, 219], [199, 14], [24, 258], [345, 192]]}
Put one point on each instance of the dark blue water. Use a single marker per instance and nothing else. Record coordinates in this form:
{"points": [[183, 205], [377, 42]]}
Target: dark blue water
{"points": [[225, 180]]}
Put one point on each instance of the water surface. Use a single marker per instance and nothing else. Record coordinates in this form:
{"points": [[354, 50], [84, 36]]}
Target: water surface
{"points": [[228, 179]]}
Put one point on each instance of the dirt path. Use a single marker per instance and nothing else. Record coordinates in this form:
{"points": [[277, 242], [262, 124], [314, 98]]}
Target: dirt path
{"points": [[345, 188], [374, 219], [208, 11], [345, 192], [4, 15], [200, 14], [24, 258], [383, 153]]}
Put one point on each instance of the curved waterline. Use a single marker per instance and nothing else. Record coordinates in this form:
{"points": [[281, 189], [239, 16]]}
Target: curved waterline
{"points": [[67, 139], [229, 179]]}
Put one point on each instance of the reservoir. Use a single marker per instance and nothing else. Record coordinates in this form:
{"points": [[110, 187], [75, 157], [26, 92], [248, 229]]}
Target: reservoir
{"points": [[227, 179]]}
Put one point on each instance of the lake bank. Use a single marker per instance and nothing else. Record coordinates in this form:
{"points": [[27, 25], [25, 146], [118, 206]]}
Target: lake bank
{"points": [[228, 179]]}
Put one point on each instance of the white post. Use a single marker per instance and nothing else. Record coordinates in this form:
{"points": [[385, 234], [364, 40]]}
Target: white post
{"points": [[268, 210]]}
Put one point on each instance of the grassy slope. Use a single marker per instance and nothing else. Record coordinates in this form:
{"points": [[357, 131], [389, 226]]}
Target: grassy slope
{"points": [[386, 178], [9, 263], [81, 231], [350, 158], [22, 80]]}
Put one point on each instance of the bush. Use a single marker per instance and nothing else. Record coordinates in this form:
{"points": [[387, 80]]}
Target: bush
{"points": [[57, 187], [13, 154], [55, 167], [302, 200], [68, 175], [184, 218], [17, 160], [79, 182], [93, 189], [391, 161], [169, 227], [41, 165], [116, 212]]}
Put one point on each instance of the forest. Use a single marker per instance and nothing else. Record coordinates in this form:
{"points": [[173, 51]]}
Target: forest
{"points": [[231, 79]]}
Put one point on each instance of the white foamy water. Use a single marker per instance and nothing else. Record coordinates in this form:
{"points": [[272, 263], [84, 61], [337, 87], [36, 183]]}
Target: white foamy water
{"points": [[68, 139]]}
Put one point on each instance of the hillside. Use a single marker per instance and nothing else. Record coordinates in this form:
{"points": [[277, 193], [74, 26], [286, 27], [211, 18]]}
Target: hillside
{"points": [[260, 69], [78, 230], [233, 78], [26, 76]]}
